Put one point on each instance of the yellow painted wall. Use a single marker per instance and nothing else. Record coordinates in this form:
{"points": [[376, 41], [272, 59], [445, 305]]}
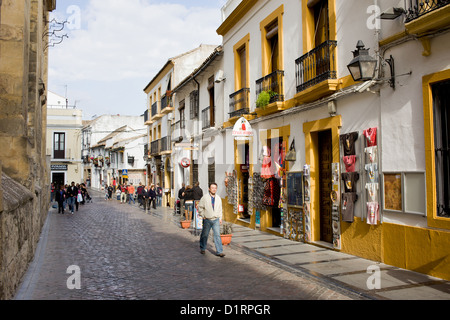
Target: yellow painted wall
{"points": [[418, 249]]}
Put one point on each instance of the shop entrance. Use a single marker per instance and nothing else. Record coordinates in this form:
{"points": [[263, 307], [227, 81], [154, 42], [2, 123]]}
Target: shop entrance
{"points": [[58, 179], [243, 176], [325, 160]]}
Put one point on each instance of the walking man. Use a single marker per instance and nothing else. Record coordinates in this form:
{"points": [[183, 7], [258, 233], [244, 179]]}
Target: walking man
{"points": [[72, 193], [210, 209]]}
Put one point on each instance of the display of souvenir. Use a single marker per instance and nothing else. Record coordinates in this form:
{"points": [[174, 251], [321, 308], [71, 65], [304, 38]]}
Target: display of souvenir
{"points": [[348, 143], [257, 192], [371, 137], [295, 188]]}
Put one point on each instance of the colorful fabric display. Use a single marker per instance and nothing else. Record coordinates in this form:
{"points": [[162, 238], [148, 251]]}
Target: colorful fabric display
{"points": [[373, 213], [371, 136], [350, 179], [348, 207], [349, 162], [348, 142], [371, 153]]}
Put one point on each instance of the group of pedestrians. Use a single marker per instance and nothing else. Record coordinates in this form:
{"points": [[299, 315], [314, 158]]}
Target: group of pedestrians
{"points": [[147, 196], [188, 195], [209, 206], [71, 195]]}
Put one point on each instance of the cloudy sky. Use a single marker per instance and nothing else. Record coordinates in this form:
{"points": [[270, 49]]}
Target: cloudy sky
{"points": [[115, 47]]}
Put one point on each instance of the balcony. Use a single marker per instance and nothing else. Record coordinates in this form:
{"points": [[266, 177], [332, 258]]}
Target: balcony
{"points": [[156, 112], [239, 103], [147, 121], [239, 106], [316, 73], [177, 132], [424, 16], [273, 84], [161, 146], [166, 103], [146, 153]]}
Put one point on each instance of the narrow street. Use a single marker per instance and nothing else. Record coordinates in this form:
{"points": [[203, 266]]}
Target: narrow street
{"points": [[124, 253]]}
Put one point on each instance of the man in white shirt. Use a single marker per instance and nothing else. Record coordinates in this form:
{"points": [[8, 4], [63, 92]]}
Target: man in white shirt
{"points": [[210, 209]]}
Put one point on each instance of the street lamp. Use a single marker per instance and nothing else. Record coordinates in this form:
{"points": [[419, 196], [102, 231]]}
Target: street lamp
{"points": [[362, 67]]}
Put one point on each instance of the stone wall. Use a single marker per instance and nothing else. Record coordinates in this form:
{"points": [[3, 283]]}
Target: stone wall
{"points": [[25, 177], [19, 234]]}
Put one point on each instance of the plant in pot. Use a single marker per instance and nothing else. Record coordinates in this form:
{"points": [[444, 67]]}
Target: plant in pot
{"points": [[185, 223], [263, 99], [226, 232]]}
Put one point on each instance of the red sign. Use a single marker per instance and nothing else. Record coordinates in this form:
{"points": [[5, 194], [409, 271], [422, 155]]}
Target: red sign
{"points": [[185, 162]]}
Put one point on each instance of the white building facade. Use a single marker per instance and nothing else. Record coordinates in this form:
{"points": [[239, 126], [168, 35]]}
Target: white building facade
{"points": [[64, 124], [96, 158], [160, 116]]}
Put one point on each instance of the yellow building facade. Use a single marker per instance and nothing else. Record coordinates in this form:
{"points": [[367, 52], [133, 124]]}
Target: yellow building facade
{"points": [[313, 105]]}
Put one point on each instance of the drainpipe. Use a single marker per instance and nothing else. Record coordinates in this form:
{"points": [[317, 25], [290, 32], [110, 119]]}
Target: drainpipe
{"points": [[191, 171]]}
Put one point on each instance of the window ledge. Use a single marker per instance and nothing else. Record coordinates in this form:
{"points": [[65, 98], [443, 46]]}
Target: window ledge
{"points": [[320, 90]]}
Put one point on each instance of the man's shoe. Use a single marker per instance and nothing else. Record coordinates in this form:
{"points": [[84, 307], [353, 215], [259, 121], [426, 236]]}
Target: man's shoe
{"points": [[202, 251], [221, 255]]}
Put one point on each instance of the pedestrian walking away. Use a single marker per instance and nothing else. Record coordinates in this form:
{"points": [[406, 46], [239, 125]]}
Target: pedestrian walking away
{"points": [[197, 191], [181, 196], [110, 192], [188, 202], [210, 209], [159, 193], [139, 191]]}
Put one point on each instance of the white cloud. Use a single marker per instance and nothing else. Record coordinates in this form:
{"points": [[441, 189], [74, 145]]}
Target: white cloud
{"points": [[121, 40]]}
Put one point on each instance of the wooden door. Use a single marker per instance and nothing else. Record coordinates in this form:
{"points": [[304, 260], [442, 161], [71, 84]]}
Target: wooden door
{"points": [[325, 160]]}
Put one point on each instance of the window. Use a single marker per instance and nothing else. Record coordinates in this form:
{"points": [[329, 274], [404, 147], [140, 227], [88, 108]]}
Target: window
{"points": [[242, 67], [194, 105], [441, 117], [211, 171], [404, 192], [272, 42], [194, 172], [181, 108], [59, 148]]}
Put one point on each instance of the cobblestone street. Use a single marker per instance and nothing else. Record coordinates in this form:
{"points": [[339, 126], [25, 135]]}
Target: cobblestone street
{"points": [[126, 253]]}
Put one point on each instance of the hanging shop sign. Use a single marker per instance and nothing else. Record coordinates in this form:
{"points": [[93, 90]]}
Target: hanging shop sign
{"points": [[242, 130], [185, 162]]}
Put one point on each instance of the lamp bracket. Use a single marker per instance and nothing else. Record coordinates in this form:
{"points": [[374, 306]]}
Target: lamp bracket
{"points": [[390, 61]]}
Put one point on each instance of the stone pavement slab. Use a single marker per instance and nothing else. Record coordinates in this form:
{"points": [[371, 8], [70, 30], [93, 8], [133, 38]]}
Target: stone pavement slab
{"points": [[342, 269], [124, 253]]}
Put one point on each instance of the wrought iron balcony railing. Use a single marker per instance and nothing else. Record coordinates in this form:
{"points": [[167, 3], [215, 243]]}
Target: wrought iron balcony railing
{"points": [[316, 66], [272, 83], [161, 145], [239, 102], [146, 118], [154, 109], [417, 8]]}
